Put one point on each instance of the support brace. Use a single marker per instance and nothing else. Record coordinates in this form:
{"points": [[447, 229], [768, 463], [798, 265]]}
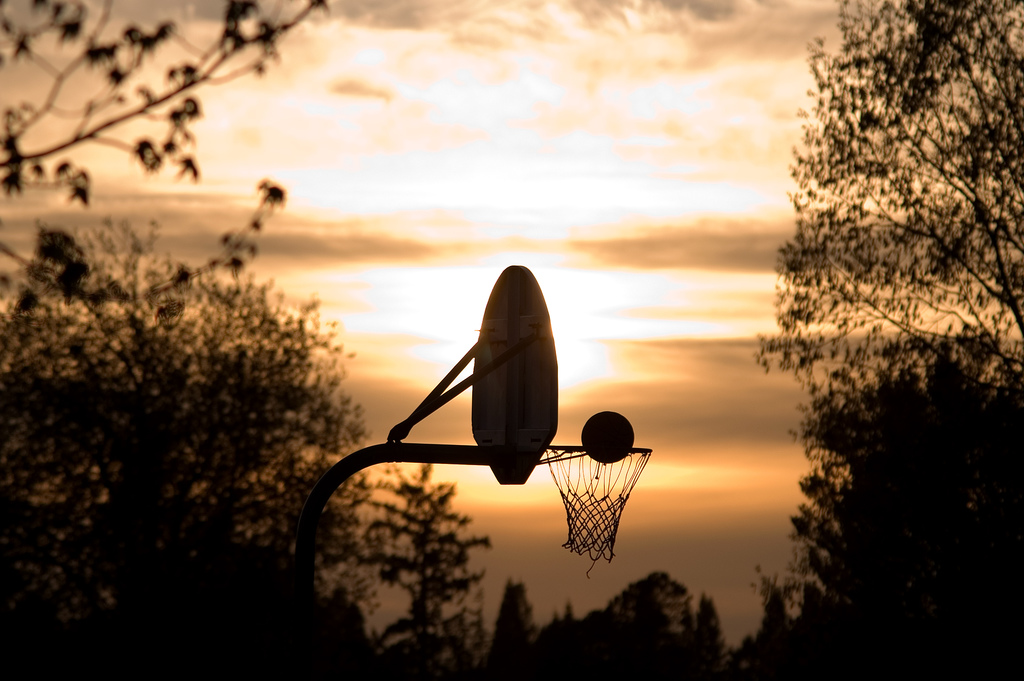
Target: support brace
{"points": [[438, 398]]}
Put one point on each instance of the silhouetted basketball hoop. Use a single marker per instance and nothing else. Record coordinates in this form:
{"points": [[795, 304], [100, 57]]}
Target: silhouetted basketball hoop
{"points": [[515, 416], [595, 481]]}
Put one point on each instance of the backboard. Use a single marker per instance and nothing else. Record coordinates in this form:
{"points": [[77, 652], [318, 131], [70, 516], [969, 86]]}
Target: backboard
{"points": [[517, 404]]}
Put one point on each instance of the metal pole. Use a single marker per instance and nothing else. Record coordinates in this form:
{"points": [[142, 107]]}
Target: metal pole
{"points": [[309, 518]]}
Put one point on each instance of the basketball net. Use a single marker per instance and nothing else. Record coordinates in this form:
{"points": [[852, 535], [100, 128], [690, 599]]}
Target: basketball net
{"points": [[594, 495]]}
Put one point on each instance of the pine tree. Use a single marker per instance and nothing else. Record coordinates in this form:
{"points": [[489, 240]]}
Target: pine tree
{"points": [[514, 633], [708, 643], [421, 548]]}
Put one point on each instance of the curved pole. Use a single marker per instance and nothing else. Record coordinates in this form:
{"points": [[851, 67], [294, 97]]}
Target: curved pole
{"points": [[309, 518]]}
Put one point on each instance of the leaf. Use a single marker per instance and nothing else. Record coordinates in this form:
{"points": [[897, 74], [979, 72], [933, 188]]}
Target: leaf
{"points": [[22, 46], [188, 167], [182, 277], [27, 302], [70, 30], [271, 194], [132, 35], [170, 312], [165, 31], [99, 55], [80, 188], [70, 279], [39, 273], [148, 155], [190, 108], [117, 292], [57, 246], [12, 182], [148, 43]]}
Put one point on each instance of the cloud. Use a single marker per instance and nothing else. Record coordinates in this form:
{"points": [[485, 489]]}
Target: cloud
{"points": [[622, 10], [716, 28], [408, 14], [191, 224], [354, 87], [714, 243], [694, 400]]}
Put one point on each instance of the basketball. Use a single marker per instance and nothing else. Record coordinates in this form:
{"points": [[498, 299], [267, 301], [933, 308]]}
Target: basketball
{"points": [[607, 436]]}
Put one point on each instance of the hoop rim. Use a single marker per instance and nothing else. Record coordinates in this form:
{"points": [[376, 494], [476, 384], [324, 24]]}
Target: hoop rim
{"points": [[555, 453]]}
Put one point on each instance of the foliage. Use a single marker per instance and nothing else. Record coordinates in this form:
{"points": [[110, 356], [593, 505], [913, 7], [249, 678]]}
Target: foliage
{"points": [[766, 655], [900, 309], [708, 642], [151, 474], [915, 506], [59, 265], [510, 656], [648, 631], [108, 78], [910, 207], [102, 88], [421, 548]]}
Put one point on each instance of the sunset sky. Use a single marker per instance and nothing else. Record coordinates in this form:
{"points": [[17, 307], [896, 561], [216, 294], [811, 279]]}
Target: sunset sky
{"points": [[634, 155]]}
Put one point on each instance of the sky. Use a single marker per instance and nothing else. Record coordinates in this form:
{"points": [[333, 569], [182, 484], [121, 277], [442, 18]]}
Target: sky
{"points": [[634, 155]]}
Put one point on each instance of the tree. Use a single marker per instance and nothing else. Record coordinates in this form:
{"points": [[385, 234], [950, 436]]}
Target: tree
{"points": [[421, 548], [708, 642], [647, 631], [100, 80], [151, 473], [913, 529], [101, 89], [653, 625], [900, 309], [910, 217], [766, 655], [511, 648]]}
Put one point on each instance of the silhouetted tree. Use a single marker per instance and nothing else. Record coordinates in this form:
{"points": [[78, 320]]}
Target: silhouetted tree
{"points": [[151, 474], [765, 656], [708, 642], [647, 631], [910, 224], [511, 648], [420, 546], [117, 83], [900, 309], [100, 70], [559, 650], [914, 528], [653, 624]]}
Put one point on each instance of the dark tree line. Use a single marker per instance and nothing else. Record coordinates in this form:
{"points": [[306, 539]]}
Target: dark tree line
{"points": [[650, 631], [151, 473], [152, 469]]}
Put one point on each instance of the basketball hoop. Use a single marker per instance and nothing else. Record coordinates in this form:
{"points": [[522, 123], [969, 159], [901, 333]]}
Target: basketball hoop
{"points": [[514, 419], [595, 481]]}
